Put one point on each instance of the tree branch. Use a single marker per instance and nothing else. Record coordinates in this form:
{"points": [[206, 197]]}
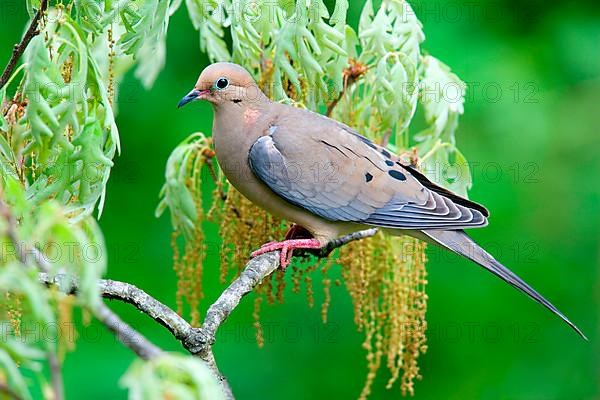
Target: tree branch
{"points": [[20, 48], [126, 334], [165, 316], [197, 341], [344, 240]]}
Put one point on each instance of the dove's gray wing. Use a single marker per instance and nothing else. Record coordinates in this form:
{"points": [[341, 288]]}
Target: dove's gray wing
{"points": [[341, 176]]}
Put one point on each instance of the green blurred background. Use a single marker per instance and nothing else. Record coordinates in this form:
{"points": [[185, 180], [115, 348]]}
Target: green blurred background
{"points": [[531, 131]]}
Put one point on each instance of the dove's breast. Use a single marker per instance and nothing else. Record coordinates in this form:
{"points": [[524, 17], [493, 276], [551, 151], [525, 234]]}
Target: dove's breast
{"points": [[234, 133]]}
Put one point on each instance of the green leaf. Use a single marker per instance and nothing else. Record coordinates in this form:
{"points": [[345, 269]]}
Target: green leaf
{"points": [[15, 279], [175, 193], [171, 376], [209, 17], [16, 380]]}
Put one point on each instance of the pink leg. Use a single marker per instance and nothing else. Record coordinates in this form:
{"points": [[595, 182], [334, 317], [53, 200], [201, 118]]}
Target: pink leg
{"points": [[295, 232], [287, 248]]}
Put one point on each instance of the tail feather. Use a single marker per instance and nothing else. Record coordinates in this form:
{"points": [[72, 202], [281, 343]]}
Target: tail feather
{"points": [[459, 242]]}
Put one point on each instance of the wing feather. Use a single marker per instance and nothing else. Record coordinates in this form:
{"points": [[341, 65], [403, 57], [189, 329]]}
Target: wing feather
{"points": [[341, 176]]}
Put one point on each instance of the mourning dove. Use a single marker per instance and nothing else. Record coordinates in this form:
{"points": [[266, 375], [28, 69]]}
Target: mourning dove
{"points": [[330, 180]]}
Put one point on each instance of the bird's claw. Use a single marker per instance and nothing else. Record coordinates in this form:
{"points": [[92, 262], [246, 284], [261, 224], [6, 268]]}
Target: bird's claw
{"points": [[287, 248]]}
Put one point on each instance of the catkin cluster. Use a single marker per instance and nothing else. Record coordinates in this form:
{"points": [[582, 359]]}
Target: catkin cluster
{"points": [[386, 279], [189, 265]]}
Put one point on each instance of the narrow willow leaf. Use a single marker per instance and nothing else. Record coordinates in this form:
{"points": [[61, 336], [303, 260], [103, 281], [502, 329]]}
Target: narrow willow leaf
{"points": [[209, 17]]}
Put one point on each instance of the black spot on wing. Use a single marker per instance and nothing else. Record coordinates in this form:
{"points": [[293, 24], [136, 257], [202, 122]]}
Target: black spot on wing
{"points": [[368, 177], [397, 175], [389, 163], [386, 154]]}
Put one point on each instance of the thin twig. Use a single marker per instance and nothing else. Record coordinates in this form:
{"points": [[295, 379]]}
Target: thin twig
{"points": [[131, 338], [335, 101], [352, 73], [385, 140], [126, 334], [336, 243], [20, 48], [56, 376]]}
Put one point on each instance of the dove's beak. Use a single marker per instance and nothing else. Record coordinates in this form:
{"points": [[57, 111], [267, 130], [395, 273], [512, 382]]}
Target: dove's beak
{"points": [[191, 96]]}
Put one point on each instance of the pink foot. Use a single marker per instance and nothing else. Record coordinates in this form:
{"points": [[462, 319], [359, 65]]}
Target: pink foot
{"points": [[287, 248]]}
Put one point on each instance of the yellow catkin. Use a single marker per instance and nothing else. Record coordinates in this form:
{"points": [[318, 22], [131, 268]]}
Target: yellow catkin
{"points": [[326, 288], [196, 251], [66, 69], [260, 339], [281, 284], [111, 65], [188, 266], [178, 268], [245, 228], [14, 312], [308, 268], [385, 277], [267, 290], [296, 277], [309, 290], [67, 335], [226, 228], [266, 80]]}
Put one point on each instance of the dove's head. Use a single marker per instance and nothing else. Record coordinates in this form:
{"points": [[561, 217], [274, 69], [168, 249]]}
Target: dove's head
{"points": [[224, 83]]}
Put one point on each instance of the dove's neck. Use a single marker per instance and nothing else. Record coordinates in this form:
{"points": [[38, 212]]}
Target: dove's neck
{"points": [[235, 129], [239, 124]]}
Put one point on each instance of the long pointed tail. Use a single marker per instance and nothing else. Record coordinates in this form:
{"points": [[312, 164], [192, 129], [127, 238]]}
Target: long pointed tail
{"points": [[461, 243]]}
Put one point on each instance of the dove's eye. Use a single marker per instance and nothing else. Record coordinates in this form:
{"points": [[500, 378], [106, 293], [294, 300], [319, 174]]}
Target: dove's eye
{"points": [[221, 83]]}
